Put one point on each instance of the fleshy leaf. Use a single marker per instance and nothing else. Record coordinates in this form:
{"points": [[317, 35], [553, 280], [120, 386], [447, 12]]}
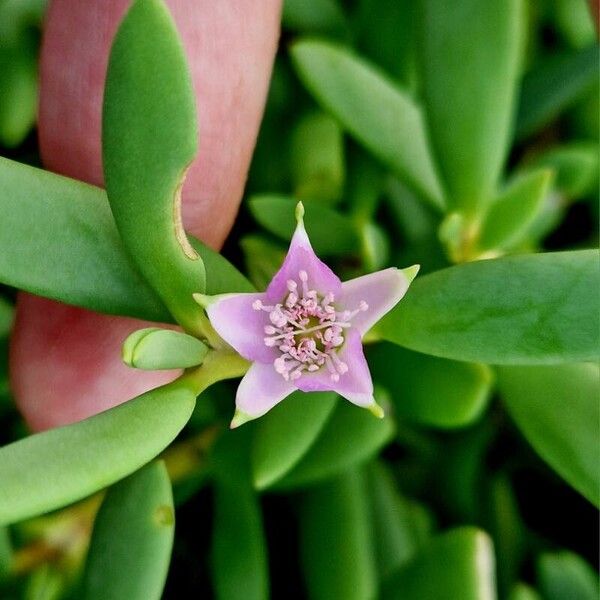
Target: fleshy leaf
{"points": [[510, 216], [372, 109], [48, 470], [530, 309], [469, 84], [428, 390], [336, 544], [553, 86], [331, 233], [350, 437], [284, 435], [132, 538], [69, 249], [564, 575], [153, 348], [457, 564], [557, 410], [149, 138]]}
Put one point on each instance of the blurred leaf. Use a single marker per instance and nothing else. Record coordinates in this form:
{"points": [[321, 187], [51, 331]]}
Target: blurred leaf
{"points": [[6, 553], [375, 246], [576, 167], [456, 564], [6, 317], [574, 20], [386, 34], [153, 348], [316, 16], [239, 554], [263, 259], [553, 86], [513, 211], [317, 160], [394, 535], [379, 115], [351, 436], [565, 575], [59, 240], [45, 583], [523, 592], [428, 390], [530, 309], [331, 233], [149, 138], [18, 16], [506, 527], [557, 410], [336, 544], [18, 90], [469, 84], [132, 538], [54, 468], [284, 435]]}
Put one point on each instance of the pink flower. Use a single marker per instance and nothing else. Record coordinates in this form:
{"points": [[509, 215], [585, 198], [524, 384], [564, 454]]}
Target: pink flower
{"points": [[305, 332]]}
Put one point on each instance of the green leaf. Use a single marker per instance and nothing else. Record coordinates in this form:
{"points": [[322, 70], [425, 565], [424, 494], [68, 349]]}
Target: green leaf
{"points": [[59, 240], [557, 410], [457, 564], [6, 317], [284, 435], [317, 158], [351, 436], [553, 86], [372, 109], [469, 83], [6, 553], [149, 139], [428, 390], [565, 575], [132, 538], [153, 348], [522, 591], [394, 535], [576, 167], [51, 469], [530, 309], [509, 218], [331, 233], [262, 258], [317, 16], [336, 545], [239, 554]]}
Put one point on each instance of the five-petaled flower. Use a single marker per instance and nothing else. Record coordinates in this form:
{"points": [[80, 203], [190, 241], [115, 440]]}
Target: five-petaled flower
{"points": [[305, 332]]}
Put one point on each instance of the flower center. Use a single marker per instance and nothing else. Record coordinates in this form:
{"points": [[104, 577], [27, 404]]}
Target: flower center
{"points": [[307, 330]]}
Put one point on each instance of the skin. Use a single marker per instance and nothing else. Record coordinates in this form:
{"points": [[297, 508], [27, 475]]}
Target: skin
{"points": [[65, 362]]}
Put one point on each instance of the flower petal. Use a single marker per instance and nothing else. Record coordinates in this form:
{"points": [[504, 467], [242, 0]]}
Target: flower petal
{"points": [[355, 385], [381, 291], [259, 391], [241, 326], [301, 257]]}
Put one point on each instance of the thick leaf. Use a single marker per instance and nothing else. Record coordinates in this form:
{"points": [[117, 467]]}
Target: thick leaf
{"points": [[317, 158], [565, 575], [263, 258], [54, 468], [558, 412], [239, 555], [428, 390], [469, 84], [457, 564], [523, 592], [6, 317], [59, 240], [576, 167], [553, 86], [379, 115], [336, 545], [284, 435], [132, 538], [351, 436], [331, 233], [153, 348], [530, 309], [6, 553], [395, 538], [510, 216], [149, 138], [317, 17]]}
